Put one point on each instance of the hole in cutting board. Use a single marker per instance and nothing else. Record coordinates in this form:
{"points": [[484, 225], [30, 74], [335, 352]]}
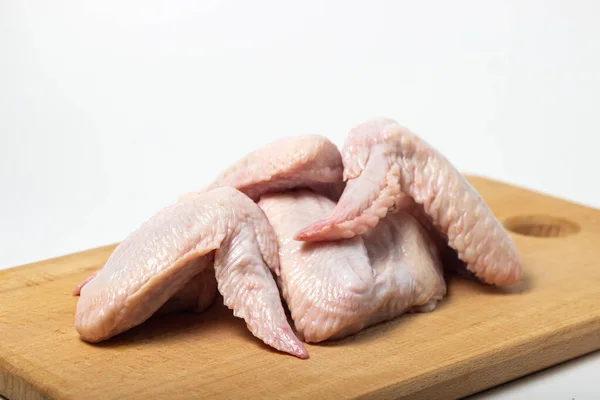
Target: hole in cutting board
{"points": [[541, 226]]}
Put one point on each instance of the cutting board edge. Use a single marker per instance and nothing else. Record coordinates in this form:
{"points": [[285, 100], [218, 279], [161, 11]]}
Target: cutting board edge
{"points": [[470, 382], [14, 386], [541, 353]]}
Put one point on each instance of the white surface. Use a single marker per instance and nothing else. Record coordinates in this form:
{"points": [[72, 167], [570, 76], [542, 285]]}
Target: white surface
{"points": [[109, 110]]}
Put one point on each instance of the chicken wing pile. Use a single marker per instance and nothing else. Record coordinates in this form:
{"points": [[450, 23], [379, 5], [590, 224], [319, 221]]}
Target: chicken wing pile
{"points": [[345, 240]]}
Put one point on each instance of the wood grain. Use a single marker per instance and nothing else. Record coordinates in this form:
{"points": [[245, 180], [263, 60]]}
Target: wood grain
{"points": [[479, 337]]}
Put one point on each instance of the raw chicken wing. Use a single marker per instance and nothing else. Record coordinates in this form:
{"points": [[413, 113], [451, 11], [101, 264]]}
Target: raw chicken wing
{"points": [[309, 161], [387, 167], [166, 259]]}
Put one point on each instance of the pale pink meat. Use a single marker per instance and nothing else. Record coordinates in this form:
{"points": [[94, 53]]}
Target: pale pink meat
{"points": [[327, 286], [384, 164], [407, 263], [196, 295], [166, 259], [337, 288], [310, 161]]}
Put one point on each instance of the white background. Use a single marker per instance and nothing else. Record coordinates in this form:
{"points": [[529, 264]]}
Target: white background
{"points": [[111, 109]]}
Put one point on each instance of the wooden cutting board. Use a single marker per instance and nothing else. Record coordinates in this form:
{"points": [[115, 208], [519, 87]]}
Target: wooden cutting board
{"points": [[479, 336]]}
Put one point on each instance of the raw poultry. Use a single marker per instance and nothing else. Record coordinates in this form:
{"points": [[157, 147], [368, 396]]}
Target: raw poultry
{"points": [[336, 288], [166, 254], [349, 240], [387, 167]]}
